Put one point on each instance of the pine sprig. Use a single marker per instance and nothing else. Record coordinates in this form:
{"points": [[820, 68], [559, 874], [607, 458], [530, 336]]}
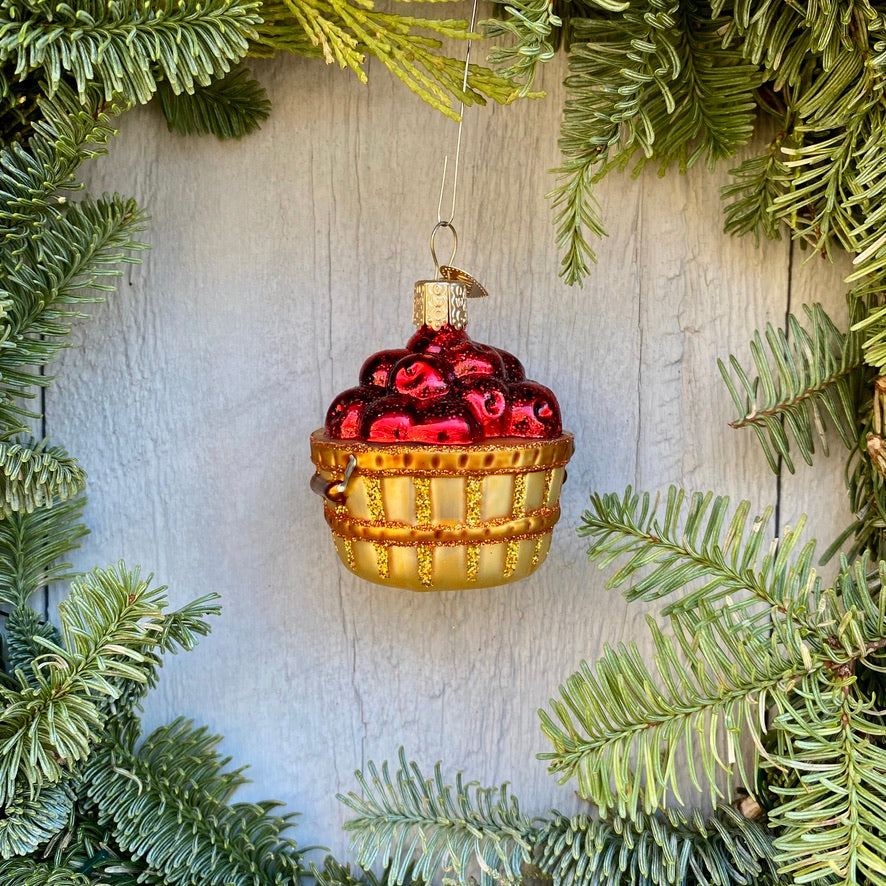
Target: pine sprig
{"points": [[346, 31], [231, 107], [110, 623], [35, 475], [656, 81], [127, 46], [622, 736], [695, 553], [422, 826], [181, 800], [657, 850], [28, 872], [831, 819], [802, 375], [30, 820], [32, 546]]}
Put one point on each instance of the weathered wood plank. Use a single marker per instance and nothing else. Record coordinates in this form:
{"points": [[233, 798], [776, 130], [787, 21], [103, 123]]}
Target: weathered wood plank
{"points": [[278, 264]]}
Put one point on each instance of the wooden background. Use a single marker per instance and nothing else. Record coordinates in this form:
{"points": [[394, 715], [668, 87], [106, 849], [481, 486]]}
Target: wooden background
{"points": [[278, 264]]}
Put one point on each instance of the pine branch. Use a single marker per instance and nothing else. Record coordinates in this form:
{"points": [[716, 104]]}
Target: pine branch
{"points": [[345, 31], [655, 79], [530, 24], [34, 475], [802, 375], [621, 735], [111, 623], [27, 872], [32, 547], [751, 194], [422, 826], [831, 820], [26, 638], [30, 820], [126, 47], [696, 550], [656, 850], [231, 107], [166, 804]]}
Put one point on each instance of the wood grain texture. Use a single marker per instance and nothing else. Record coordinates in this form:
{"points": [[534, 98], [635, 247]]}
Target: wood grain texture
{"points": [[278, 264]]}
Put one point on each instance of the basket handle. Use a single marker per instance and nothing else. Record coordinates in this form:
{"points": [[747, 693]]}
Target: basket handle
{"points": [[335, 492]]}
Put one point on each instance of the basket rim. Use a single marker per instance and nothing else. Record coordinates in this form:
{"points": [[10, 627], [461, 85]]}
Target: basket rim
{"points": [[499, 455]]}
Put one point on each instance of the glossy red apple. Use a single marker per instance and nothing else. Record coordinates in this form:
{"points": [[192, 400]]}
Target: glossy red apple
{"points": [[375, 369], [422, 376], [534, 411], [472, 358], [514, 370], [435, 341], [487, 398], [388, 419], [346, 412], [445, 421]]}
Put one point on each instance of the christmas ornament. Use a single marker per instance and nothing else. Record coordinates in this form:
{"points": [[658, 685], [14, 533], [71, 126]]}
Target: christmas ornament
{"points": [[442, 469]]}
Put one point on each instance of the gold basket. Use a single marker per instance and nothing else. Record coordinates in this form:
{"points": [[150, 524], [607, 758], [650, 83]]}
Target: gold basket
{"points": [[441, 518]]}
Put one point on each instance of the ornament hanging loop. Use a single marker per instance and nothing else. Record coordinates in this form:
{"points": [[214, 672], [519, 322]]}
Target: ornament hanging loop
{"points": [[438, 227]]}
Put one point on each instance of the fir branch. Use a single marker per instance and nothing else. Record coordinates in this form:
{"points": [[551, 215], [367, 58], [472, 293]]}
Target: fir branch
{"points": [[802, 375], [750, 196], [231, 107], [30, 820], [35, 475], [657, 850], [422, 826], [621, 735], [831, 820], [658, 80], [178, 820], [345, 31], [111, 622], [125, 47], [28, 872], [26, 638], [530, 24], [32, 546], [696, 549]]}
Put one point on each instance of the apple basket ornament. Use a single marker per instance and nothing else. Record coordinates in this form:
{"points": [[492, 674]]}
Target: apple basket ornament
{"points": [[442, 469]]}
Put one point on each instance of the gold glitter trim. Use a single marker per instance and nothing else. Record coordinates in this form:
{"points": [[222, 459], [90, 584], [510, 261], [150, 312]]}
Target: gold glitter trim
{"points": [[425, 555], [549, 482], [506, 455], [519, 494], [511, 555], [403, 534], [373, 499], [472, 561], [536, 551], [381, 559], [349, 553], [422, 501], [473, 499]]}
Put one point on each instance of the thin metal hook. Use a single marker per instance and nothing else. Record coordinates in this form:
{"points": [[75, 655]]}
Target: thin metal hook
{"points": [[445, 222], [437, 227]]}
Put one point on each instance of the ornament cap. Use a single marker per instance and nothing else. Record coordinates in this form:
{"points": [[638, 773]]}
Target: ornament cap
{"points": [[438, 303]]}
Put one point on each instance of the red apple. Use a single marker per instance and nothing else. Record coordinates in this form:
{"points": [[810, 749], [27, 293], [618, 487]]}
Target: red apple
{"points": [[435, 341], [472, 358], [445, 421], [375, 369], [422, 376], [534, 411], [388, 419], [514, 370], [346, 411], [487, 398]]}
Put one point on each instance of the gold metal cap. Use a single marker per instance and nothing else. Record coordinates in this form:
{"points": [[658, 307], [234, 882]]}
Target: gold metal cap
{"points": [[437, 303]]}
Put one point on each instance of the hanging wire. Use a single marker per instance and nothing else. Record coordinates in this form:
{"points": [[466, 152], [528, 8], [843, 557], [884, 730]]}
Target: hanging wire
{"points": [[446, 221]]}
